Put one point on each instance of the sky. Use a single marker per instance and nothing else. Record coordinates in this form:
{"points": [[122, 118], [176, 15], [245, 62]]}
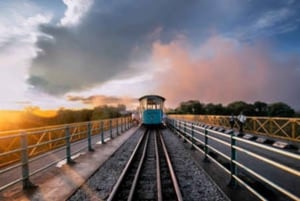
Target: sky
{"points": [[84, 53]]}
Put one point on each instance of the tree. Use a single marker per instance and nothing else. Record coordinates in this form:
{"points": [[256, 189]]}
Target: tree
{"points": [[190, 107], [106, 112], [261, 108], [215, 109], [280, 109], [238, 106]]}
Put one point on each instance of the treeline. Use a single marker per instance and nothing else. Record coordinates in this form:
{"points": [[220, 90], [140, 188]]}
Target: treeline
{"points": [[258, 108], [34, 117]]}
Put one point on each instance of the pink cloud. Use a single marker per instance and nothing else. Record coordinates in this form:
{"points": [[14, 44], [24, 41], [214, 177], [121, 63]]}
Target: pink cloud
{"points": [[223, 70]]}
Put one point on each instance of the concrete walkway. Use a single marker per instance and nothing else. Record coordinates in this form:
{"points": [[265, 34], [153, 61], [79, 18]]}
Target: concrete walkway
{"points": [[57, 184]]}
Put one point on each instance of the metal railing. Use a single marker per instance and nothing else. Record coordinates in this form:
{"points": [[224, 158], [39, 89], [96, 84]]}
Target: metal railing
{"points": [[285, 128], [20, 149], [227, 145]]}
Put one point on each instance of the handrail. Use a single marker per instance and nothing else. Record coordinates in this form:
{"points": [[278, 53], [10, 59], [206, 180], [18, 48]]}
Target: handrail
{"points": [[187, 129], [279, 127], [19, 148]]}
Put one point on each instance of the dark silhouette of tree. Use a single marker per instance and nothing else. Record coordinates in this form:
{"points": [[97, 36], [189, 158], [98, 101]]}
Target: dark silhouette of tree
{"points": [[106, 112], [238, 106], [261, 108], [216, 109], [280, 109], [190, 107]]}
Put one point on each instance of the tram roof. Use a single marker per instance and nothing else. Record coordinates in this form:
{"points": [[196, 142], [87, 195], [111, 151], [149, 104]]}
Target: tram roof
{"points": [[152, 96]]}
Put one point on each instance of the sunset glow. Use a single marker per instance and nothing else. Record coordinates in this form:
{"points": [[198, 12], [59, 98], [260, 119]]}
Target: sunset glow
{"points": [[82, 54]]}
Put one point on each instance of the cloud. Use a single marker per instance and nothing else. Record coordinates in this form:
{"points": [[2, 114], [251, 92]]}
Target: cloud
{"points": [[267, 23], [98, 100], [18, 33], [75, 11], [223, 70], [108, 38], [106, 41], [273, 17]]}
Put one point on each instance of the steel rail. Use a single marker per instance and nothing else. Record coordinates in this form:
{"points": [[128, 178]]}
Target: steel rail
{"points": [[10, 168], [218, 152], [118, 183], [218, 140], [285, 153], [46, 142], [10, 152], [158, 177], [138, 171], [37, 132], [10, 184], [172, 172], [200, 150], [46, 154], [249, 188], [271, 162], [259, 176], [10, 136], [272, 149]]}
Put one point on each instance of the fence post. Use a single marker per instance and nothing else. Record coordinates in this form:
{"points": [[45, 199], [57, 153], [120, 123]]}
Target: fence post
{"points": [[233, 168], [176, 128], [68, 145], [205, 145], [121, 124], [128, 122], [124, 124], [110, 129], [293, 136], [102, 132], [193, 136], [89, 132], [184, 130], [25, 167], [179, 126], [117, 126]]}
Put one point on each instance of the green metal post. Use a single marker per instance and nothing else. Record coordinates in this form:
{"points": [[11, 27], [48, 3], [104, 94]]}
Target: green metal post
{"points": [[25, 167], [117, 127], [110, 129], [121, 125], [193, 140], [68, 145], [233, 168], [205, 145], [102, 132], [184, 130], [89, 132]]}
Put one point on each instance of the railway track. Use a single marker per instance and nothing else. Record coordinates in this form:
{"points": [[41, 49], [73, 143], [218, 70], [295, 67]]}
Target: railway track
{"points": [[148, 174]]}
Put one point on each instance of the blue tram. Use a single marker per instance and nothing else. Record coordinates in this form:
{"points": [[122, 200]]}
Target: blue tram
{"points": [[151, 108]]}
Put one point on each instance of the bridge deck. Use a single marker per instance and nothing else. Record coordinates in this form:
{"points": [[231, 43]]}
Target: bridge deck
{"points": [[57, 184]]}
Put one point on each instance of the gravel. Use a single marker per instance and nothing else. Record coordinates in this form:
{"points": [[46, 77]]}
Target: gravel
{"points": [[100, 184], [194, 182]]}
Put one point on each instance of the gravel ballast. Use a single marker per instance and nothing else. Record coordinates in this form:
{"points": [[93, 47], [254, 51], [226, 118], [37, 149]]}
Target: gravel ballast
{"points": [[194, 183]]}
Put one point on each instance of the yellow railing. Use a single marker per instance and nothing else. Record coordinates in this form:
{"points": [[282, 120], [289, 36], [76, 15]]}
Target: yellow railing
{"points": [[285, 128], [44, 139]]}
